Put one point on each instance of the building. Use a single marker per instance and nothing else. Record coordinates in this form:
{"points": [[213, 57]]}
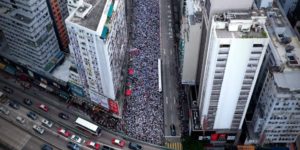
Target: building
{"points": [[237, 45], [190, 41], [276, 115], [288, 5], [98, 41], [73, 4], [29, 31], [294, 14], [59, 12]]}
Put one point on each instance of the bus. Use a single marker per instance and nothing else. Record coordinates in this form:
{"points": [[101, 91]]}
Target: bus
{"points": [[88, 126], [159, 76]]}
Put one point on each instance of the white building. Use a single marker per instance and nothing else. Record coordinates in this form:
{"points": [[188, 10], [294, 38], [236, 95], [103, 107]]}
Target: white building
{"points": [[190, 41], [98, 36], [237, 44], [73, 4], [29, 32], [276, 117]]}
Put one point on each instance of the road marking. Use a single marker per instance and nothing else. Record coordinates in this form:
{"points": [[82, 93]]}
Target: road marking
{"points": [[172, 54], [164, 51], [174, 97], [166, 100]]}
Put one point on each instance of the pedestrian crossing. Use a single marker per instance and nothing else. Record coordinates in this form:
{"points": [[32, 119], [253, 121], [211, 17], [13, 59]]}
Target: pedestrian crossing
{"points": [[174, 146]]}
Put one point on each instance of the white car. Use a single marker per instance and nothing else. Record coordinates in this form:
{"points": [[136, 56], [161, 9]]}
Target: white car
{"points": [[38, 129], [47, 123], [4, 110], [76, 138], [20, 120]]}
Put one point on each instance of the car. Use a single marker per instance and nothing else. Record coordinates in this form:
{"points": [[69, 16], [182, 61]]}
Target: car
{"points": [[47, 123], [44, 107], [134, 146], [93, 145], [8, 90], [118, 142], [32, 115], [107, 148], [63, 116], [46, 147], [27, 101], [63, 132], [4, 110], [20, 119], [72, 146], [76, 138], [173, 130], [14, 104], [38, 129]]}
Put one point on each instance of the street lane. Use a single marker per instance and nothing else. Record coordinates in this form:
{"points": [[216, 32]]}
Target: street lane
{"points": [[52, 115], [169, 73]]}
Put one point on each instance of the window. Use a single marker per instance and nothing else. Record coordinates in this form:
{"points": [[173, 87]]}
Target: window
{"points": [[258, 45], [224, 45]]}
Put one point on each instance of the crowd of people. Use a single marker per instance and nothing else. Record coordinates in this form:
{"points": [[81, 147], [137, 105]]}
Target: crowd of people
{"points": [[143, 109]]}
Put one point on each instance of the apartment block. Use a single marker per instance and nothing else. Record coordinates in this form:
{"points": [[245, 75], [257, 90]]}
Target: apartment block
{"points": [[29, 31], [276, 115], [59, 12], [98, 36], [237, 45]]}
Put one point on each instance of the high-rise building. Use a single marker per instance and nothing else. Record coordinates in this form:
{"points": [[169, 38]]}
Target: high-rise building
{"points": [[73, 4], [28, 29], [236, 48], [98, 39], [59, 12], [276, 115]]}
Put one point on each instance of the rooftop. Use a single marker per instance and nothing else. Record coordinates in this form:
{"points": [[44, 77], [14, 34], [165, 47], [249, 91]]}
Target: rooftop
{"points": [[285, 45], [241, 24], [62, 72], [89, 14], [288, 80]]}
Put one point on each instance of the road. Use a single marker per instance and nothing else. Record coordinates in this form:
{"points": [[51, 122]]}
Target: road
{"points": [[55, 107], [21, 139], [169, 73]]}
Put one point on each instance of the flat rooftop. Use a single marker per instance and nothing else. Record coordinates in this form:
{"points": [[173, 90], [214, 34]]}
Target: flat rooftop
{"points": [[285, 44], [241, 24], [62, 72], [288, 80], [92, 19]]}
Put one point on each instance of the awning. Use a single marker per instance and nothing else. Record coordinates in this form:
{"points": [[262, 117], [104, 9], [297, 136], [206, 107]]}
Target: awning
{"points": [[110, 11], [130, 71], [104, 32], [128, 92], [214, 137], [113, 106]]}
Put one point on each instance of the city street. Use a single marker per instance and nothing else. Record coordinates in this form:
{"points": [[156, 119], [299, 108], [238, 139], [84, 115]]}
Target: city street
{"points": [[55, 107], [169, 73]]}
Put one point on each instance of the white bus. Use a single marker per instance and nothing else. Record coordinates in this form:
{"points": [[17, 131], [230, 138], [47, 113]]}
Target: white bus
{"points": [[159, 76], [88, 126]]}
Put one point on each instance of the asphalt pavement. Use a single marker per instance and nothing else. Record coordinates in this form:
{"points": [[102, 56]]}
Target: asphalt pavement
{"points": [[56, 106], [169, 73]]}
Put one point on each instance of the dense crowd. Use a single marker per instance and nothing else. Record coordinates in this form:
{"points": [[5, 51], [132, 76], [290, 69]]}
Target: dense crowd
{"points": [[143, 110]]}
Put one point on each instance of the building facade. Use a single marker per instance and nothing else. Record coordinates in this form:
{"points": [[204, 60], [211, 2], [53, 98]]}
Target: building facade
{"points": [[98, 41], [59, 12], [29, 31], [277, 113], [237, 45]]}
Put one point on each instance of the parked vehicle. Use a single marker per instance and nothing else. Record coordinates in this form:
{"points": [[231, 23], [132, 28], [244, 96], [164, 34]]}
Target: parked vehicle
{"points": [[63, 116], [47, 123], [73, 146], [44, 107], [173, 130], [8, 90], [14, 104], [134, 146], [32, 115], [4, 110], [20, 119], [38, 129], [27, 101], [46, 147]]}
